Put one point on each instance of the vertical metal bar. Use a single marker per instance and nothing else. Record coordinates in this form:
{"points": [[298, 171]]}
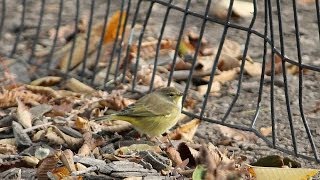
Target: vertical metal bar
{"points": [[297, 31], [100, 46], [243, 61], [125, 65], [84, 60], [20, 29], [203, 26], [49, 58], [114, 48], [139, 45], [284, 74], [183, 23], [273, 124], [263, 65], [35, 41], [216, 59], [75, 38], [121, 40], [318, 16], [159, 45], [3, 14]]}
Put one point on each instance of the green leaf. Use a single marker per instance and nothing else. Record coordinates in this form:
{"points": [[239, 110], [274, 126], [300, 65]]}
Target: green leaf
{"points": [[198, 173]]}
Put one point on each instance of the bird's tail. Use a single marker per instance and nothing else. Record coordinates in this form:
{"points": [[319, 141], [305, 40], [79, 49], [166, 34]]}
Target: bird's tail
{"points": [[103, 118]]}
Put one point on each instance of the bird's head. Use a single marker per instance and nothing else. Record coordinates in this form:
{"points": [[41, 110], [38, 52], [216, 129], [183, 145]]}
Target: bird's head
{"points": [[172, 94]]}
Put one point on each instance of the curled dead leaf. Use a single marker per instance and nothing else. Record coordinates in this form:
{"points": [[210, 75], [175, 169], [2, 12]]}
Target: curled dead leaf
{"points": [[77, 86], [47, 91], [46, 81], [186, 131], [67, 159]]}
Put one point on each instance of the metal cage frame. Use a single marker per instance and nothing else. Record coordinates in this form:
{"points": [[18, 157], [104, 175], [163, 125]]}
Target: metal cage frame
{"points": [[267, 37]]}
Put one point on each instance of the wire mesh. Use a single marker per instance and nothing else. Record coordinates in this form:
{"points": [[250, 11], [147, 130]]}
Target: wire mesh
{"points": [[173, 18]]}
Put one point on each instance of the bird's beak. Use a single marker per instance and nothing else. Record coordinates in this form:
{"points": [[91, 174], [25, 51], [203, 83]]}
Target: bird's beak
{"points": [[182, 94]]}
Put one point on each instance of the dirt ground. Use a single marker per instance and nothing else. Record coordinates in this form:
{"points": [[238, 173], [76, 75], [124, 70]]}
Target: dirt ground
{"points": [[244, 108]]}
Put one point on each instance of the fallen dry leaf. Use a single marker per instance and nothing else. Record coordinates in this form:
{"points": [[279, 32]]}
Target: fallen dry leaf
{"points": [[8, 149], [185, 131], [215, 88], [277, 65], [174, 155], [253, 69], [23, 115], [240, 8], [77, 86], [144, 77], [47, 165], [235, 134], [67, 159], [111, 31], [46, 91], [46, 81], [266, 131], [224, 76], [8, 97], [31, 160], [53, 137]]}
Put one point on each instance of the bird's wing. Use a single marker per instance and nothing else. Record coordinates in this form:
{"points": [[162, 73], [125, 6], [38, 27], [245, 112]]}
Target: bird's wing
{"points": [[146, 107]]}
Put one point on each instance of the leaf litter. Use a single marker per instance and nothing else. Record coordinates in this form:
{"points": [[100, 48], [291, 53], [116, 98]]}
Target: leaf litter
{"points": [[69, 145]]}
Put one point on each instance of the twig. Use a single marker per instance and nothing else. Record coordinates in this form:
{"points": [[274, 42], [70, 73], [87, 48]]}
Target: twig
{"points": [[89, 169], [37, 127]]}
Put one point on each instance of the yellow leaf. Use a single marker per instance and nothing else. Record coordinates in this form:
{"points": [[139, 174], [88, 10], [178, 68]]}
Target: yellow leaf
{"points": [[113, 24], [266, 173]]}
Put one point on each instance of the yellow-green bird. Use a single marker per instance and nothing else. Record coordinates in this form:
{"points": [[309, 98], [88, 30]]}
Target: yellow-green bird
{"points": [[154, 113]]}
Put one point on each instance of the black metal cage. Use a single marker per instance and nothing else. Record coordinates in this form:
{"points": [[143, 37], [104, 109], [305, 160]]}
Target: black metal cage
{"points": [[276, 34]]}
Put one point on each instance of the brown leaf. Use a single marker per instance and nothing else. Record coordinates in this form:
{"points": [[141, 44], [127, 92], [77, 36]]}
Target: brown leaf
{"points": [[111, 32], [144, 77], [31, 160], [115, 101], [71, 141], [23, 115], [67, 159], [88, 145], [47, 91], [235, 134], [53, 137], [174, 155], [82, 124], [189, 153], [113, 126], [215, 88], [277, 65], [227, 62], [61, 173], [218, 165], [8, 149], [253, 69], [186, 131], [266, 131], [47, 165], [224, 76], [8, 97]]}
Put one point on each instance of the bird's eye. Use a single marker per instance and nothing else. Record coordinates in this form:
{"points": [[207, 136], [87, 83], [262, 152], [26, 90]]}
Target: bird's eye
{"points": [[171, 95]]}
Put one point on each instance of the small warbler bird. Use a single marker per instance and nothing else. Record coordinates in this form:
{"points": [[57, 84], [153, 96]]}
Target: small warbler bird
{"points": [[154, 113]]}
